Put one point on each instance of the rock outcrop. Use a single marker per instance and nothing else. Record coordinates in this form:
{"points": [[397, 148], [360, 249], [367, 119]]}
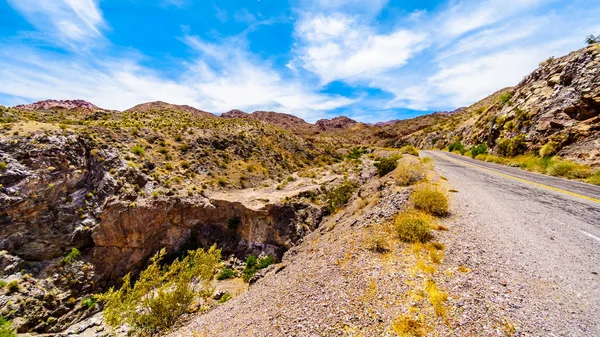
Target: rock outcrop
{"points": [[335, 123], [59, 104]]}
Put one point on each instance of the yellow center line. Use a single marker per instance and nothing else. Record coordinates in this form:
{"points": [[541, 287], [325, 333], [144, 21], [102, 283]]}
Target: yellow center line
{"points": [[572, 194]]}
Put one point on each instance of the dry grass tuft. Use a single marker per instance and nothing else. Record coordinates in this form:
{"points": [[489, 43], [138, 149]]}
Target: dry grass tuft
{"points": [[413, 227], [430, 200], [437, 298], [408, 173]]}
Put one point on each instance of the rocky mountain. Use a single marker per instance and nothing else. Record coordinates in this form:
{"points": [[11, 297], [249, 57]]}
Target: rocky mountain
{"points": [[282, 120], [336, 123], [159, 105], [559, 102], [59, 104]]}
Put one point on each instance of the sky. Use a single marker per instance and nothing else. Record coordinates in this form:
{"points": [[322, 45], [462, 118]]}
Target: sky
{"points": [[371, 60]]}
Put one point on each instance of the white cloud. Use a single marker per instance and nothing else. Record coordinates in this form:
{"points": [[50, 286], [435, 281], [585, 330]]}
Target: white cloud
{"points": [[338, 47], [223, 77], [70, 21]]}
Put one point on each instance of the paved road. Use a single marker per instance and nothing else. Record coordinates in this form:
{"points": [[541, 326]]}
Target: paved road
{"points": [[544, 230]]}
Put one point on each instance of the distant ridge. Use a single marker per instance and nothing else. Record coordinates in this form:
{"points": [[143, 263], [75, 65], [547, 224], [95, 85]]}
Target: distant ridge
{"points": [[59, 104]]}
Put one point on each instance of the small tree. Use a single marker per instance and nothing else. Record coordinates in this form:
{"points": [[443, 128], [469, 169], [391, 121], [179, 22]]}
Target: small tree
{"points": [[592, 39], [162, 293]]}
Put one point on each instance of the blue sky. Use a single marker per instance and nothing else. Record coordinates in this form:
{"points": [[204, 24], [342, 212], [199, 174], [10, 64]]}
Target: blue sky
{"points": [[370, 60]]}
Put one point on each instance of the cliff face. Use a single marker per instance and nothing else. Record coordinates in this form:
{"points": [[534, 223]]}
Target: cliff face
{"points": [[558, 102]]}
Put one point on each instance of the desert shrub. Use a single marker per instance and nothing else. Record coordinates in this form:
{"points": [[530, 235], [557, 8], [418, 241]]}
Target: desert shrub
{"points": [[407, 174], [548, 150], [162, 293], [505, 98], [386, 165], [594, 179], [3, 166], [430, 200], [592, 39], [479, 149], [71, 257], [511, 147], [2, 284], [89, 302], [226, 297], [254, 264], [138, 150], [457, 146], [356, 152], [409, 149], [413, 227], [6, 329], [185, 164], [12, 287], [226, 273], [338, 196]]}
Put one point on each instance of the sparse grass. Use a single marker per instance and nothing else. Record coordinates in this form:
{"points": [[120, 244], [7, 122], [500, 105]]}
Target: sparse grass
{"points": [[594, 179], [409, 149], [407, 326], [430, 200], [377, 243], [2, 284], [553, 166], [437, 298], [412, 227], [138, 150], [226, 273]]}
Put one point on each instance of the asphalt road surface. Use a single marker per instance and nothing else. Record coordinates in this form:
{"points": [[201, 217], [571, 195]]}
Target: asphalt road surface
{"points": [[541, 233]]}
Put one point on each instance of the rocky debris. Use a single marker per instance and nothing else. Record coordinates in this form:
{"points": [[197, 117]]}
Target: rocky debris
{"points": [[159, 105], [59, 104], [10, 264]]}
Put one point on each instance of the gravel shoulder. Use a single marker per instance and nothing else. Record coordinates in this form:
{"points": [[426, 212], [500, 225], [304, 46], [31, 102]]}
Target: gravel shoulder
{"points": [[534, 249]]}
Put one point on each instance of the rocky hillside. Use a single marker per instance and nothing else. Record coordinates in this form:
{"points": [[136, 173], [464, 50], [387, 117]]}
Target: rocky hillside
{"points": [[559, 103], [59, 104]]}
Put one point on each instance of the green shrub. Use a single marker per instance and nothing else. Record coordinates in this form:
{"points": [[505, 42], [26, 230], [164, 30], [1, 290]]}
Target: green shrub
{"points": [[412, 227], [457, 146], [6, 329], [226, 273], [3, 166], [568, 169], [162, 293], [505, 98], [409, 149], [12, 287], [430, 200], [479, 149], [339, 195], [226, 297], [2, 284], [511, 147], [254, 264], [138, 150], [89, 302], [386, 165], [71, 257], [356, 152]]}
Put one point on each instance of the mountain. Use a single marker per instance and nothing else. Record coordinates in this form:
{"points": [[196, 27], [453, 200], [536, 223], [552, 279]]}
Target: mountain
{"points": [[336, 123], [282, 120], [558, 103], [159, 105], [58, 104]]}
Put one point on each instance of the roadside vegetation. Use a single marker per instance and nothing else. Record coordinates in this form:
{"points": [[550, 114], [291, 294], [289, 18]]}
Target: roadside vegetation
{"points": [[162, 293], [546, 162]]}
